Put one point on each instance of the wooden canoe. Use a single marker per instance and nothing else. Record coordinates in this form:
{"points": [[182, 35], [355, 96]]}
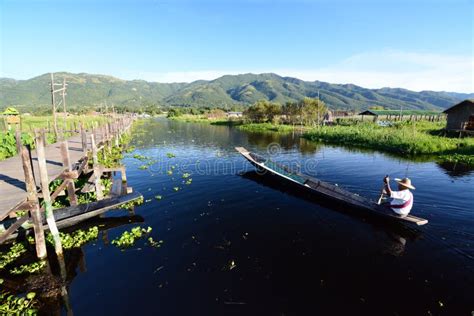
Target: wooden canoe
{"points": [[326, 190]]}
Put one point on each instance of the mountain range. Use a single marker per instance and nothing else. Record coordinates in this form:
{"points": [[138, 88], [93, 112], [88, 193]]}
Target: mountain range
{"points": [[89, 90]]}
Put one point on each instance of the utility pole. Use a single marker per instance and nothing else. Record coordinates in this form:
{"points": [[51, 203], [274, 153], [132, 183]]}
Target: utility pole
{"points": [[53, 102], [64, 101]]}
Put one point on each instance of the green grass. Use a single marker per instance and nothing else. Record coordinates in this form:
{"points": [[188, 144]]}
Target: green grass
{"points": [[267, 127], [407, 138]]}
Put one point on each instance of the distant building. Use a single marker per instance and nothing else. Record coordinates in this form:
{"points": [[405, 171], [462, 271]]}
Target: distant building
{"points": [[461, 116], [234, 114]]}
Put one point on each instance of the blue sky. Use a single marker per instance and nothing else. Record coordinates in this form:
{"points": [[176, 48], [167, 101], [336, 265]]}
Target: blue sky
{"points": [[416, 44]]}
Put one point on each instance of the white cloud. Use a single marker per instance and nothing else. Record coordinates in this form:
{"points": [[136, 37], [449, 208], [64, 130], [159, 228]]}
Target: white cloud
{"points": [[387, 68]]}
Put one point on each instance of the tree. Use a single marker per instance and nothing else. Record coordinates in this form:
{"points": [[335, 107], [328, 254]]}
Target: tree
{"points": [[312, 111], [263, 111]]}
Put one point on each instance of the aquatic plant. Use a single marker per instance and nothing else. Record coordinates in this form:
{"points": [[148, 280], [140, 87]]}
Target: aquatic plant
{"points": [[131, 204], [128, 238], [169, 172], [170, 155], [76, 239], [176, 189], [189, 181], [186, 175], [34, 267], [143, 167], [153, 243], [11, 255], [158, 197], [402, 138], [140, 157], [18, 305]]}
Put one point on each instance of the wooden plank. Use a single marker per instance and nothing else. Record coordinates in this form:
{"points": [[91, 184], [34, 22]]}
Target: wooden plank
{"points": [[13, 228], [116, 189], [74, 214]]}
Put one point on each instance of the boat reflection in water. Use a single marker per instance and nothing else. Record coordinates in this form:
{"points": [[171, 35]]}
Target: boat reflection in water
{"points": [[394, 236]]}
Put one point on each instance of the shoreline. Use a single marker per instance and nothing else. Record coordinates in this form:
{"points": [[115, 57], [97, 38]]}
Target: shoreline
{"points": [[408, 139]]}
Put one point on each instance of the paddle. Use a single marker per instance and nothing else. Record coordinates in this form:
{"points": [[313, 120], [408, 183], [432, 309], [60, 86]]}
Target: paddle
{"points": [[382, 193]]}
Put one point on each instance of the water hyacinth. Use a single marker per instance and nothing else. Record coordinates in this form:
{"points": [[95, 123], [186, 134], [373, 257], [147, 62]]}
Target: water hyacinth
{"points": [[75, 239], [11, 255], [128, 238], [34, 267]]}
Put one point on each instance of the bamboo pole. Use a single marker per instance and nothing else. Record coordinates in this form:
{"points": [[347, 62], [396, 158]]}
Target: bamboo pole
{"points": [[48, 207], [32, 198]]}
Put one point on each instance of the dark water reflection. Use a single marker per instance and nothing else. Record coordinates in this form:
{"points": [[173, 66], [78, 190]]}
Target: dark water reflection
{"points": [[236, 243]]}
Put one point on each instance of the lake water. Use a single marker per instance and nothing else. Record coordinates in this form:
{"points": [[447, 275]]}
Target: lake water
{"points": [[236, 243]]}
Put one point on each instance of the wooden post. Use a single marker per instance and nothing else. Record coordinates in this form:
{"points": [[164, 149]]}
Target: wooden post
{"points": [[18, 140], [84, 140], [48, 207], [98, 188], [32, 198], [43, 134], [71, 189]]}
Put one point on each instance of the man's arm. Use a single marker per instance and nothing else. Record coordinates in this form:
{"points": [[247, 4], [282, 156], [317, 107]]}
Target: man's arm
{"points": [[386, 180]]}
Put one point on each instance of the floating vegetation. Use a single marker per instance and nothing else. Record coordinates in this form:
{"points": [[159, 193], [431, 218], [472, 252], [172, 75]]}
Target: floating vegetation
{"points": [[140, 157], [129, 205], [170, 155], [186, 175], [176, 189], [75, 239], [11, 255], [18, 305], [169, 172], [30, 240], [153, 243], [189, 181], [143, 167], [128, 238], [158, 197], [130, 149], [34, 267]]}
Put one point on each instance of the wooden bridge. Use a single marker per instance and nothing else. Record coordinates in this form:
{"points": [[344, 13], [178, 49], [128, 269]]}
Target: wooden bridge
{"points": [[26, 178]]}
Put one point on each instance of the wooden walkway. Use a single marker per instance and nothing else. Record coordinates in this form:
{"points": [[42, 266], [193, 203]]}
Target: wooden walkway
{"points": [[12, 178]]}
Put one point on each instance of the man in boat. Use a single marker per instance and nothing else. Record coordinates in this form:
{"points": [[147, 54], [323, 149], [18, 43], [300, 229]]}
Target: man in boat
{"points": [[400, 201]]}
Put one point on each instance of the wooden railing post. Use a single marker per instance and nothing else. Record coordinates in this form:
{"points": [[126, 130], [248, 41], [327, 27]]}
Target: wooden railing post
{"points": [[84, 140], [96, 168], [18, 140], [71, 188], [32, 198], [48, 207]]}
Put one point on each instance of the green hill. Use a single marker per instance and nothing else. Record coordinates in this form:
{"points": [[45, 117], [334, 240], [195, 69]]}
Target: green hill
{"points": [[88, 90]]}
